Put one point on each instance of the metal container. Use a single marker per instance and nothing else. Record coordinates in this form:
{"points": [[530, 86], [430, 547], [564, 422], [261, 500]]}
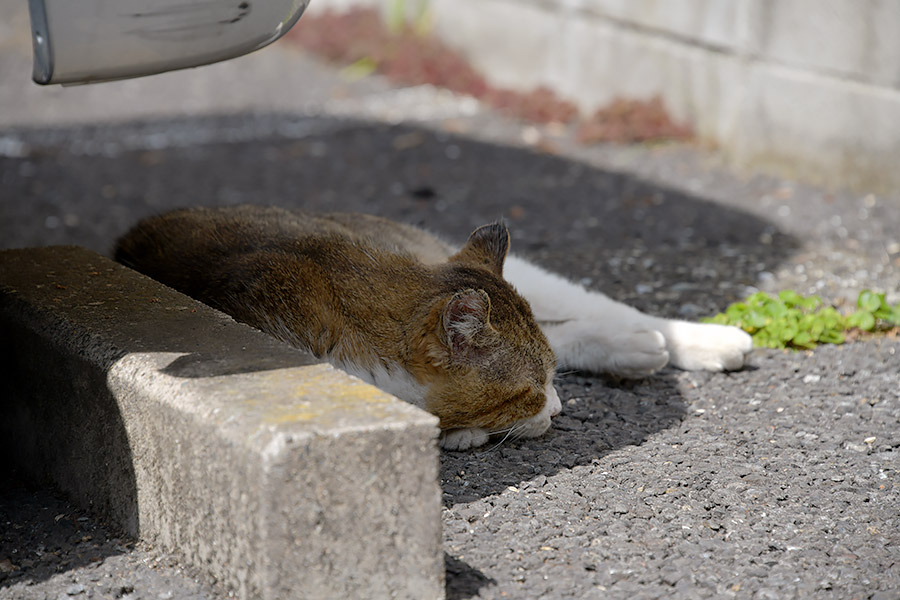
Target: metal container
{"points": [[82, 41]]}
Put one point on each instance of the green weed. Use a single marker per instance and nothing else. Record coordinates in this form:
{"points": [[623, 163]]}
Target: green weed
{"points": [[790, 320]]}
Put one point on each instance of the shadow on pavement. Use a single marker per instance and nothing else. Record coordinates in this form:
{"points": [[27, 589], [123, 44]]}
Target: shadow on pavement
{"points": [[661, 250], [87, 185], [43, 421], [463, 581], [43, 534], [599, 416]]}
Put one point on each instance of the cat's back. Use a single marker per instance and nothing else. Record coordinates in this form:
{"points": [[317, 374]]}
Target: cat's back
{"points": [[226, 231], [390, 235]]}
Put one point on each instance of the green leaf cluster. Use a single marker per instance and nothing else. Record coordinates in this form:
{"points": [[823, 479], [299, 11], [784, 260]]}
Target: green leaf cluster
{"points": [[872, 309], [791, 320]]}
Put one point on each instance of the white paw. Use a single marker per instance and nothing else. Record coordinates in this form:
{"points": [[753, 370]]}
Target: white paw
{"points": [[462, 439], [638, 354], [706, 347], [591, 346]]}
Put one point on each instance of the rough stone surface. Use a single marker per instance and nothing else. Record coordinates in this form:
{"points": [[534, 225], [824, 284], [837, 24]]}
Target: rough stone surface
{"points": [[779, 481], [179, 426]]}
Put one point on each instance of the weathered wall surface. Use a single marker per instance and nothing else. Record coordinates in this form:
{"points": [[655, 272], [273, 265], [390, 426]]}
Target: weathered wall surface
{"points": [[806, 87]]}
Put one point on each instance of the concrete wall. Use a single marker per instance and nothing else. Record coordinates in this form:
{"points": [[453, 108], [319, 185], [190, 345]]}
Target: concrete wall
{"points": [[805, 87]]}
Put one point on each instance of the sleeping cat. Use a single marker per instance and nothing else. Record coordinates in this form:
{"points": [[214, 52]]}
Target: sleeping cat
{"points": [[446, 329]]}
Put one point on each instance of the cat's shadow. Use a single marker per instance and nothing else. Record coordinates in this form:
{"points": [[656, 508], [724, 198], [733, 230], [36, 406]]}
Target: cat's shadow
{"points": [[600, 416]]}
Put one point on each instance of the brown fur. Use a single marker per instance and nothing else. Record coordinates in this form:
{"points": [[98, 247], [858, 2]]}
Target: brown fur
{"points": [[365, 291]]}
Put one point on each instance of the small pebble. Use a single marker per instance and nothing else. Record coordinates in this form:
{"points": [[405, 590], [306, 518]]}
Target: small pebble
{"points": [[75, 589]]}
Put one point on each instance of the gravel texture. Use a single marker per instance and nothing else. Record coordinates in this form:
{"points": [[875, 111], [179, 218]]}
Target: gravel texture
{"points": [[778, 481], [51, 550]]}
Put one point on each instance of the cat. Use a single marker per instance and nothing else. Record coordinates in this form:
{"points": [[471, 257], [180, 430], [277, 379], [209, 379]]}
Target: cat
{"points": [[472, 334]]}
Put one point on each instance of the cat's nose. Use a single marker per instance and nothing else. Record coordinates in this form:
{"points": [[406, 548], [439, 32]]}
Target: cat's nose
{"points": [[553, 403]]}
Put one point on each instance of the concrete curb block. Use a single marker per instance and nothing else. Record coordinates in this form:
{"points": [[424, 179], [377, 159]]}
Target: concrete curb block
{"points": [[281, 477]]}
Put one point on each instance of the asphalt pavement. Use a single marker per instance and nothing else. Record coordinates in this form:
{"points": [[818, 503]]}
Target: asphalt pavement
{"points": [[778, 481]]}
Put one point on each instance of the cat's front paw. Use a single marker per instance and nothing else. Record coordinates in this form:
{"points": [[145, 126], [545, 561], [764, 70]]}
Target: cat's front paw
{"points": [[462, 439], [595, 346], [706, 347], [638, 354]]}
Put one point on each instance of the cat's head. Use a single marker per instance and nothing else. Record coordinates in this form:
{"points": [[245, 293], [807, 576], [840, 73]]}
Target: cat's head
{"points": [[490, 368]]}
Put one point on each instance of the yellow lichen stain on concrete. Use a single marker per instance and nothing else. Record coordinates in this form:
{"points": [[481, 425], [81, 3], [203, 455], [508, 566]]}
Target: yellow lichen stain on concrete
{"points": [[325, 392]]}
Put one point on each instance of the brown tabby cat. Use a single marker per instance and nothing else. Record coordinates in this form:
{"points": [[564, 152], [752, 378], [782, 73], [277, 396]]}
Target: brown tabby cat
{"points": [[381, 300]]}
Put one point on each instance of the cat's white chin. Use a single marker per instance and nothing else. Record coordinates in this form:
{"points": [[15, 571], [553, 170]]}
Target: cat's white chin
{"points": [[463, 439]]}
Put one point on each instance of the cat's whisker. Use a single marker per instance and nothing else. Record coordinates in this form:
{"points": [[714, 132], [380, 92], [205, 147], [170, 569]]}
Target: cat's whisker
{"points": [[519, 433], [499, 431], [494, 447], [509, 431]]}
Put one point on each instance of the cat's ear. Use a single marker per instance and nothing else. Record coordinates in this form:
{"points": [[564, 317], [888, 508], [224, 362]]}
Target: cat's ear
{"points": [[487, 247], [465, 316]]}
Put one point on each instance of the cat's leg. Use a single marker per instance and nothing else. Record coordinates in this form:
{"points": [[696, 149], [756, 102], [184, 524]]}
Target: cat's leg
{"points": [[590, 331], [587, 330]]}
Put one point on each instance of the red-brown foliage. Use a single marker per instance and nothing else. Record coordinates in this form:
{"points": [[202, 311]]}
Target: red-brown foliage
{"points": [[408, 57]]}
